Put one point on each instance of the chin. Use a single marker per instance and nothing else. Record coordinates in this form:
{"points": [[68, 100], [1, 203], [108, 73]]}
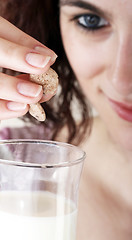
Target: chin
{"points": [[126, 145], [123, 139]]}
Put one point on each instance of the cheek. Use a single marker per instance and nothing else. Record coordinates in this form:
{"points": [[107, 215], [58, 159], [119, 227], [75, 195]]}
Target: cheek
{"points": [[89, 56], [86, 58], [86, 65]]}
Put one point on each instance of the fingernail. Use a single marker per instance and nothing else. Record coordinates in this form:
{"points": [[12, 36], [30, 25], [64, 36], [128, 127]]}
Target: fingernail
{"points": [[37, 60], [46, 51], [15, 106], [29, 89]]}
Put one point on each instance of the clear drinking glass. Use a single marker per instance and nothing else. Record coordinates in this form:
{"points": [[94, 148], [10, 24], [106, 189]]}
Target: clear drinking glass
{"points": [[39, 183]]}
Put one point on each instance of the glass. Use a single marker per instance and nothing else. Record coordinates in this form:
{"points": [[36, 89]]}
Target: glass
{"points": [[39, 182]]}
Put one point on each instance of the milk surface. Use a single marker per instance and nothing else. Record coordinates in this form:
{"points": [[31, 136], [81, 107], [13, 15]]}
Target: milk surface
{"points": [[36, 216]]}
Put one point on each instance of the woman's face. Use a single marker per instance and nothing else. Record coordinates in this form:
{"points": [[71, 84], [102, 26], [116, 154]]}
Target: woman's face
{"points": [[97, 37]]}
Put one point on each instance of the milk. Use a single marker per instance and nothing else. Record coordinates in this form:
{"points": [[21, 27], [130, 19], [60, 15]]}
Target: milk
{"points": [[36, 216]]}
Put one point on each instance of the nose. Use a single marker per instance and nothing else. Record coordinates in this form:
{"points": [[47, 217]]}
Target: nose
{"points": [[122, 65]]}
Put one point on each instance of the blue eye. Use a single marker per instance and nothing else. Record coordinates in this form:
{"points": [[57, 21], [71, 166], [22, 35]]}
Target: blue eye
{"points": [[91, 22]]}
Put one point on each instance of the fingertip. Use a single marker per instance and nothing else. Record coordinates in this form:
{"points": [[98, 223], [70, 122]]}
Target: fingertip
{"points": [[6, 113], [16, 106], [46, 97]]}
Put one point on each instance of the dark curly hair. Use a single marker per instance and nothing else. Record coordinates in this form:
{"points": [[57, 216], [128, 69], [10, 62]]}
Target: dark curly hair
{"points": [[40, 19]]}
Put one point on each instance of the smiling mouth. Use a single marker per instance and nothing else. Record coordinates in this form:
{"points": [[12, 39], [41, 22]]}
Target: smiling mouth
{"points": [[123, 110]]}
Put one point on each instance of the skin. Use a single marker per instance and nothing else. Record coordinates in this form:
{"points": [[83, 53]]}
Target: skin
{"points": [[16, 45], [102, 62]]}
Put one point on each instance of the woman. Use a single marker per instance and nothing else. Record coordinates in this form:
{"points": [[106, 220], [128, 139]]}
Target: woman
{"points": [[96, 36]]}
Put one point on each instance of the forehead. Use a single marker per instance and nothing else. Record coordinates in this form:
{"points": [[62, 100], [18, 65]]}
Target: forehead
{"points": [[106, 4], [117, 9], [93, 1]]}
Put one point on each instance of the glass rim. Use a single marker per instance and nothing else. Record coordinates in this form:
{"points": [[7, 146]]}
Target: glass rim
{"points": [[41, 165]]}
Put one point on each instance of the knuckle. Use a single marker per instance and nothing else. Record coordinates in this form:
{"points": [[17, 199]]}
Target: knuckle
{"points": [[11, 50], [24, 39], [27, 40]]}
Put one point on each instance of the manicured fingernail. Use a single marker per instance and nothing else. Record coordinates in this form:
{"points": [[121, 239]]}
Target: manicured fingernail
{"points": [[29, 89], [37, 60], [15, 106], [46, 51]]}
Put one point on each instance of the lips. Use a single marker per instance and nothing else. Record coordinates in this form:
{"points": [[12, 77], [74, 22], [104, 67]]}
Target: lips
{"points": [[123, 110]]}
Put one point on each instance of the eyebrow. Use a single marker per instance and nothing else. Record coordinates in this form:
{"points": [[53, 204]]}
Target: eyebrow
{"points": [[85, 5]]}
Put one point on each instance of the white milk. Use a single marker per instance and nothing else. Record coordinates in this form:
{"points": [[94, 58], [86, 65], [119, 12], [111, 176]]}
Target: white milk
{"points": [[36, 216]]}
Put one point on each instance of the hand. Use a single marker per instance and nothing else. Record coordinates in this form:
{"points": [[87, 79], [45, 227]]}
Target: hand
{"points": [[22, 53]]}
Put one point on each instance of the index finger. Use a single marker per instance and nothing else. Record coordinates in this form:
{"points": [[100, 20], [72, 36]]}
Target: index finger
{"points": [[11, 33]]}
